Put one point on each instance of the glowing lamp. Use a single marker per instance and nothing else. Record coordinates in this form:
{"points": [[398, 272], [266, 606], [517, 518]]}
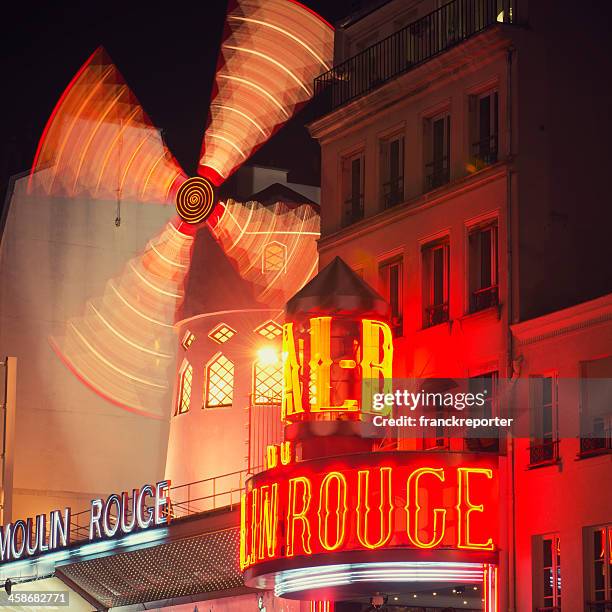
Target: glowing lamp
{"points": [[267, 356]]}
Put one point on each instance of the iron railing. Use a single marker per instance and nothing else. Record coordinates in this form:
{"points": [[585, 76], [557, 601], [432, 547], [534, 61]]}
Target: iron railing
{"points": [[544, 452], [596, 445], [437, 173], [484, 298], [487, 444], [393, 192], [436, 314], [409, 47], [353, 209], [484, 151], [209, 494], [599, 606]]}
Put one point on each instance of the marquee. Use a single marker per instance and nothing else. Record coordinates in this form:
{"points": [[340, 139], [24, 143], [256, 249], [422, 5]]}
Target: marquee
{"points": [[371, 504]]}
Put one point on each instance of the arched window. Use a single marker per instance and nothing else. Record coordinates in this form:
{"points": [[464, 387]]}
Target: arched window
{"points": [[274, 257], [184, 392], [267, 382], [219, 390]]}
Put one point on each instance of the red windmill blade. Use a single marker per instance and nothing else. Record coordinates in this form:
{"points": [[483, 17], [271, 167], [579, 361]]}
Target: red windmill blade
{"points": [[99, 145]]}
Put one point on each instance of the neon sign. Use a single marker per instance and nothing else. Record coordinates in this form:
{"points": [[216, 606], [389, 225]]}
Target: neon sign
{"points": [[117, 515], [370, 502], [339, 372]]}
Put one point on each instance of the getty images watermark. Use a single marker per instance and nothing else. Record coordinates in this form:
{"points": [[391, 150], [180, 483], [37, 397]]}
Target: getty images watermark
{"points": [[489, 407], [439, 402]]}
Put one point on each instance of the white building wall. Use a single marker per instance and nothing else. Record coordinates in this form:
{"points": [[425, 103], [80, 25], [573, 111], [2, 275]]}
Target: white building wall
{"points": [[71, 444]]}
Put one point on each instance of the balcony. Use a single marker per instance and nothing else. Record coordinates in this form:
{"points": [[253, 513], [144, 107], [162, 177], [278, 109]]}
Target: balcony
{"points": [[599, 606], [353, 209], [598, 445], [484, 298], [545, 452], [436, 314], [393, 192], [484, 152], [408, 48], [437, 173]]}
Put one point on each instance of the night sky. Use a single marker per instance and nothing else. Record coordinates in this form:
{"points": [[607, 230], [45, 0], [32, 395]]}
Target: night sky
{"points": [[167, 53]]}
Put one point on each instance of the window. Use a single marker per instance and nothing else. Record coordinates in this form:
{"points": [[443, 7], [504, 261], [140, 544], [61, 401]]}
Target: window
{"points": [[544, 448], [482, 273], [551, 573], [440, 439], [184, 391], [601, 580], [269, 330], [392, 289], [274, 258], [436, 280], [267, 382], [222, 333], [486, 384], [484, 128], [352, 187], [595, 408], [392, 171], [437, 150], [188, 339], [219, 382]]}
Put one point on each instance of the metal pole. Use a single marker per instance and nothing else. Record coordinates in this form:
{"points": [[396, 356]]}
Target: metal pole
{"points": [[8, 437]]}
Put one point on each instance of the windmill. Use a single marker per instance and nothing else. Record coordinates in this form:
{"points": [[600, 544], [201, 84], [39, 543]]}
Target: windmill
{"points": [[99, 145]]}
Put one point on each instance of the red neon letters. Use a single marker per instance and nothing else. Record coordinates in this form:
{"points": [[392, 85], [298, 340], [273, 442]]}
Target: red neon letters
{"points": [[380, 501]]}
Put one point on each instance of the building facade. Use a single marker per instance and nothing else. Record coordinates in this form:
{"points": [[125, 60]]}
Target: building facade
{"points": [[439, 187]]}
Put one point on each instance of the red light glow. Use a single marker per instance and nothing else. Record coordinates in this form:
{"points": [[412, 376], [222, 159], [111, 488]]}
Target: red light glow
{"points": [[370, 502]]}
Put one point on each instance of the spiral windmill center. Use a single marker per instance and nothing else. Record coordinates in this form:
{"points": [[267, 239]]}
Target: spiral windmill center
{"points": [[195, 200]]}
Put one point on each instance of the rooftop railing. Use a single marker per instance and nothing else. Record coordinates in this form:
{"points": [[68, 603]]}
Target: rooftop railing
{"points": [[407, 48], [215, 493]]}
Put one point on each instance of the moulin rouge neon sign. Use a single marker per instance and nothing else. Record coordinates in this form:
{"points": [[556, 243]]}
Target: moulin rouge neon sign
{"points": [[116, 515], [314, 357], [378, 501]]}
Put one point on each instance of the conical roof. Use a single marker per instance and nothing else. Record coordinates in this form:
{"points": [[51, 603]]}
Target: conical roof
{"points": [[336, 289]]}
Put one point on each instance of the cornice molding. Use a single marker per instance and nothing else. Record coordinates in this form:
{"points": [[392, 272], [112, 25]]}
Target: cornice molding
{"points": [[450, 64], [562, 322]]}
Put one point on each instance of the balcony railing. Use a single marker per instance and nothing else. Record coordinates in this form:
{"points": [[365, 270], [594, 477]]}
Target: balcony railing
{"points": [[215, 493], [488, 444], [409, 47], [599, 606], [484, 151], [544, 452], [596, 445], [393, 192], [436, 314], [437, 173], [353, 209], [484, 298]]}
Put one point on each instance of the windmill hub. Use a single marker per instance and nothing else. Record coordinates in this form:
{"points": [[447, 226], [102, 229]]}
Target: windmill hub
{"points": [[195, 200]]}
